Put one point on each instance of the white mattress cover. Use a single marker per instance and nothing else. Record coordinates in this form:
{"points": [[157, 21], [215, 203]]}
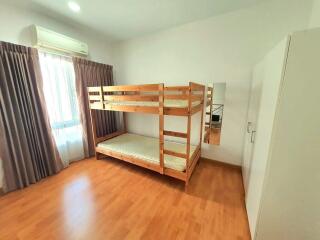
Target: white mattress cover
{"points": [[167, 103], [147, 148]]}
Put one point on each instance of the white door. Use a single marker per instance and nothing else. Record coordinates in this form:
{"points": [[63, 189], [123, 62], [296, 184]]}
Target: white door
{"points": [[254, 103], [274, 67], [290, 201]]}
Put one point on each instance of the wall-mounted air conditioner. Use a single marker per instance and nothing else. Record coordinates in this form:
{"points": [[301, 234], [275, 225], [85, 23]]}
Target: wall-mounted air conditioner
{"points": [[47, 39]]}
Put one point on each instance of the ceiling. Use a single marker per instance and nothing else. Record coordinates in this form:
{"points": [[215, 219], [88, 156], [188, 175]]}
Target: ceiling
{"points": [[123, 19]]}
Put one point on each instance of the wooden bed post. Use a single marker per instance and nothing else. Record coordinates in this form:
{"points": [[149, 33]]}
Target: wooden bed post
{"points": [[124, 123], [209, 100], [188, 134], [93, 126], [161, 126], [94, 130], [202, 113], [93, 120]]}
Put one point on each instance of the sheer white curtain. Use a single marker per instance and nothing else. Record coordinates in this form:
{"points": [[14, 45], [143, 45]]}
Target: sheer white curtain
{"points": [[60, 94]]}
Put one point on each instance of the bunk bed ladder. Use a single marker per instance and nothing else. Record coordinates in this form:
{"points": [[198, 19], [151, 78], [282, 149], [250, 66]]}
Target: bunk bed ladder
{"points": [[187, 155]]}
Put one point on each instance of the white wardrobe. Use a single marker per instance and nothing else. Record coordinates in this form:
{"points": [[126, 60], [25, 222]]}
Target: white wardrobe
{"points": [[281, 163]]}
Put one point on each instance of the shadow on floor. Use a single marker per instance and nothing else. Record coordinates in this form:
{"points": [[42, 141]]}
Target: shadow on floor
{"points": [[210, 181]]}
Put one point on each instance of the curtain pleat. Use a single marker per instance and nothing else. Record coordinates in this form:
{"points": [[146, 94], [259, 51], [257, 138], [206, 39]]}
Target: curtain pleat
{"points": [[89, 74], [27, 147]]}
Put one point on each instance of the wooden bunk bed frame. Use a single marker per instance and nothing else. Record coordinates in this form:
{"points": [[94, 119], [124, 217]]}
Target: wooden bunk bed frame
{"points": [[100, 97], [208, 124]]}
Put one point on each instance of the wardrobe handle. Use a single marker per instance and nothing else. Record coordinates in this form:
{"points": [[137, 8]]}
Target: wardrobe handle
{"points": [[248, 127], [253, 133]]}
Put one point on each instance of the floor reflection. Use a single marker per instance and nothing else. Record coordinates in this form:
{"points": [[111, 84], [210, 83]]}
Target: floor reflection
{"points": [[78, 207], [214, 137]]}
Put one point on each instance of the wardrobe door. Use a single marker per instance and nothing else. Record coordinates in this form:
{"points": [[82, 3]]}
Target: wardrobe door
{"points": [[290, 204], [253, 111], [274, 67]]}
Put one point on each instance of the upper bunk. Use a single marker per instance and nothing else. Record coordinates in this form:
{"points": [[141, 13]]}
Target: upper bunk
{"points": [[149, 98]]}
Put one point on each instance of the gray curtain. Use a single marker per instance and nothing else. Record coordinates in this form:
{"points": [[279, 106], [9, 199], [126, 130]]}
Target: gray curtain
{"points": [[89, 74], [27, 147]]}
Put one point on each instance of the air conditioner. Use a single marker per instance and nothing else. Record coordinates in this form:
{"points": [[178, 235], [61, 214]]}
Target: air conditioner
{"points": [[47, 39]]}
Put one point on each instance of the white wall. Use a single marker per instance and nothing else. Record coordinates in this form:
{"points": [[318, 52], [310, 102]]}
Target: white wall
{"points": [[315, 15], [15, 28], [218, 49]]}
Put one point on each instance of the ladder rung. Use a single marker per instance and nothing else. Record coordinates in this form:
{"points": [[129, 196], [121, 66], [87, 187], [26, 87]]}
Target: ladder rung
{"points": [[175, 154], [175, 134]]}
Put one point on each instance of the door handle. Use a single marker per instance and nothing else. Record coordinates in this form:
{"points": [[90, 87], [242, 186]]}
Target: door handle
{"points": [[253, 133], [248, 126]]}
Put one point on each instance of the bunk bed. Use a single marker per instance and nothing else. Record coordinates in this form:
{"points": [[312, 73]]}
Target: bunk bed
{"points": [[209, 103], [170, 158]]}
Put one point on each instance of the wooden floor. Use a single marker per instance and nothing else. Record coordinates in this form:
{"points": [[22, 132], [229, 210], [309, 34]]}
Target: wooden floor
{"points": [[215, 134], [109, 199]]}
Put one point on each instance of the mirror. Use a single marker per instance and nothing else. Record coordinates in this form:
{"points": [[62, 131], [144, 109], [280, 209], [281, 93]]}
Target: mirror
{"points": [[214, 113]]}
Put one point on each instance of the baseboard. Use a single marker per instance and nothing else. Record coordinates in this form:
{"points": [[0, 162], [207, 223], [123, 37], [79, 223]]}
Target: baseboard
{"points": [[229, 165], [1, 191]]}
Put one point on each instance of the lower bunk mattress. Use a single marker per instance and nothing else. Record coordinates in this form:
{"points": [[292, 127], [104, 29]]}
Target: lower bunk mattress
{"points": [[147, 149]]}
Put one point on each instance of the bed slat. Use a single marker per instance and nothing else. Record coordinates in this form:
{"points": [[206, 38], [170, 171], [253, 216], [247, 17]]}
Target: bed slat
{"points": [[177, 88], [176, 111], [94, 97], [176, 174], [175, 134], [94, 89], [195, 97], [130, 88], [142, 98]]}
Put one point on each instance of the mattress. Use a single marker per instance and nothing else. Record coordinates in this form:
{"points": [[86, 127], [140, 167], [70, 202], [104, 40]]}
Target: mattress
{"points": [[147, 149], [167, 103]]}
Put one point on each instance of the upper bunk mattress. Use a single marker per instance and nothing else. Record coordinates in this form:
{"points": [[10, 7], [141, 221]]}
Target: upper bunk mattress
{"points": [[147, 149]]}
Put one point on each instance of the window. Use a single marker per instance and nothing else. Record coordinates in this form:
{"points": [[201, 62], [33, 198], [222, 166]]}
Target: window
{"points": [[61, 100]]}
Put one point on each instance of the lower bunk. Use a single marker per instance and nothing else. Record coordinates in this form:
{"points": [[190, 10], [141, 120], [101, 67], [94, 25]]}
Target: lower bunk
{"points": [[144, 151]]}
